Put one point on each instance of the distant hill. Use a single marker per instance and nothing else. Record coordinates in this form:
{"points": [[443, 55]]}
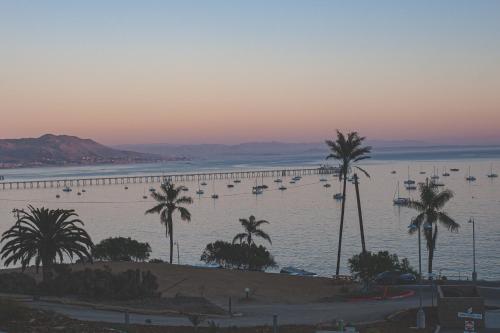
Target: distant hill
{"points": [[195, 151], [57, 150]]}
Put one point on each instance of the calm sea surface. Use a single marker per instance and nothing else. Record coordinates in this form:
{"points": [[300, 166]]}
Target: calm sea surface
{"points": [[304, 219]]}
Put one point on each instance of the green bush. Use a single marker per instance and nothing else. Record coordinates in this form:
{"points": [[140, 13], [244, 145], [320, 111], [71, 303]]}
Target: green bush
{"points": [[17, 283], [240, 256], [102, 284], [366, 266], [121, 249]]}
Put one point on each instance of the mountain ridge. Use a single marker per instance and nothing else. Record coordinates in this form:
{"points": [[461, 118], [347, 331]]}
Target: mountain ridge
{"points": [[60, 150]]}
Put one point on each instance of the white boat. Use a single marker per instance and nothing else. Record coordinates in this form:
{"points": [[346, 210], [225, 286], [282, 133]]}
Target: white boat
{"points": [[491, 174], [470, 178], [338, 196], [397, 200], [409, 181], [200, 191], [410, 187], [296, 271], [214, 195], [278, 180], [152, 189], [296, 178], [257, 189]]}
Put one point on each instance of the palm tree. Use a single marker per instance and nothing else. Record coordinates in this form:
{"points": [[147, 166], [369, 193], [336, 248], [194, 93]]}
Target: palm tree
{"points": [[251, 227], [45, 235], [169, 202], [430, 213], [348, 150]]}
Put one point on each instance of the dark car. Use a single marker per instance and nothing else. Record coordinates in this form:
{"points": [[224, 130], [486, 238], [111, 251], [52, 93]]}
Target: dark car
{"points": [[394, 277]]}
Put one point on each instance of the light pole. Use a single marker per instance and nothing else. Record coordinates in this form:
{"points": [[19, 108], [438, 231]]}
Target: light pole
{"points": [[420, 313], [474, 273]]}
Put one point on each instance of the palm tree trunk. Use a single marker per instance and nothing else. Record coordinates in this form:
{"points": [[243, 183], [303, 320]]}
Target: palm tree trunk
{"points": [[432, 248], [46, 269], [171, 244], [341, 224], [360, 215]]}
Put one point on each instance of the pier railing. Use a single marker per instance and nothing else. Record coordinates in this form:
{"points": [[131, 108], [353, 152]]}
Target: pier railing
{"points": [[156, 178]]}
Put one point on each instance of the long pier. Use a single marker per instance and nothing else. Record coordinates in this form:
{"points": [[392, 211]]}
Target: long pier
{"points": [[137, 179]]}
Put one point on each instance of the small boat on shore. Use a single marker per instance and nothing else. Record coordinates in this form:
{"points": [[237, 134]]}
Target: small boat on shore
{"points": [[323, 179], [152, 189], [338, 196], [327, 185], [236, 181], [393, 172], [230, 185], [454, 169], [296, 271], [410, 187], [67, 189], [282, 188], [278, 180], [203, 184]]}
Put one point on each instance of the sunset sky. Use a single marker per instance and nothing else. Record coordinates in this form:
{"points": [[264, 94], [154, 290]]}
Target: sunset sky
{"points": [[234, 71]]}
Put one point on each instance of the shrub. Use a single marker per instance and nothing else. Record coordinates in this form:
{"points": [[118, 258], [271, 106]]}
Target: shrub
{"points": [[366, 266], [121, 249], [156, 261], [17, 283], [102, 284], [240, 256]]}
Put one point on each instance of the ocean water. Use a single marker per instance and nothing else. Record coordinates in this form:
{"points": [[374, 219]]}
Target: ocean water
{"points": [[304, 219]]}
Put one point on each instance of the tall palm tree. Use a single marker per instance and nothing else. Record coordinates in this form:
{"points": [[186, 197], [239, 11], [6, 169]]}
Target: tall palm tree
{"points": [[45, 235], [168, 202], [348, 150], [430, 208], [251, 227]]}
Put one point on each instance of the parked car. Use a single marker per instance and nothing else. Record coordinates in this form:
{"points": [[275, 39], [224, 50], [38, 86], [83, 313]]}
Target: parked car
{"points": [[395, 277]]}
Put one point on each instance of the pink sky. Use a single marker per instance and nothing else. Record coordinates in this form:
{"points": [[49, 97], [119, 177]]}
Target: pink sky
{"points": [[249, 76]]}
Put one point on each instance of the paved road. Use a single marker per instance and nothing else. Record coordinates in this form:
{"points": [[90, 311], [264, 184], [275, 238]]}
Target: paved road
{"points": [[257, 314], [261, 314]]}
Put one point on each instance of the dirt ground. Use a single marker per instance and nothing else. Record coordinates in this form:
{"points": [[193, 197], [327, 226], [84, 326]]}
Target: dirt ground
{"points": [[218, 285]]}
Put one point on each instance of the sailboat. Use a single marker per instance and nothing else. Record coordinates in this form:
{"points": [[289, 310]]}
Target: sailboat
{"points": [[491, 174], [421, 171], [434, 174], [470, 178], [214, 195], [409, 181], [200, 191], [445, 173], [144, 196], [257, 189], [397, 200]]}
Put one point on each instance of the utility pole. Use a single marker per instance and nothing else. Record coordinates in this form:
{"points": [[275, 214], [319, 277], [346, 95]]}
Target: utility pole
{"points": [[474, 273]]}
